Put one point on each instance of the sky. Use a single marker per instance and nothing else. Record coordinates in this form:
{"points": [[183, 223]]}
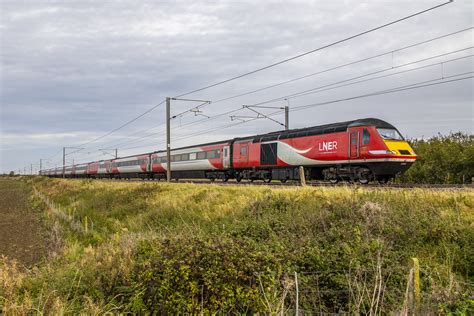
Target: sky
{"points": [[72, 71]]}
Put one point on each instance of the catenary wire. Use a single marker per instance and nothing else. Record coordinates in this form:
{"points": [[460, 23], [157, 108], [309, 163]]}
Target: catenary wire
{"points": [[417, 85], [315, 50], [319, 88], [329, 87], [120, 127], [290, 81], [330, 69]]}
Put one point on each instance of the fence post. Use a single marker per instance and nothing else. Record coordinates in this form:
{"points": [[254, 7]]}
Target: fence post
{"points": [[85, 224], [302, 176], [297, 292], [416, 284]]}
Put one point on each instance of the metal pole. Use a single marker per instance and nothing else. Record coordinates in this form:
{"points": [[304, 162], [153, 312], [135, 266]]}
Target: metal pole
{"points": [[64, 162], [41, 164], [31, 169], [287, 114], [168, 140], [116, 153]]}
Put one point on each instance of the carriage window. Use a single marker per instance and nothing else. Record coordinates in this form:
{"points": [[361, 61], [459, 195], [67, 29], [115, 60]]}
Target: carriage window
{"points": [[365, 137], [243, 151], [211, 154], [192, 156], [201, 155], [184, 157], [160, 159]]}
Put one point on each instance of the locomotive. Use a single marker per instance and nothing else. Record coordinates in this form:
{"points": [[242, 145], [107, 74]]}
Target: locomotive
{"points": [[360, 150]]}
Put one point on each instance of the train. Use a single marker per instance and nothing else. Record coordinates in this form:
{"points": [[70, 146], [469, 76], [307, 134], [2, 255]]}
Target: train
{"points": [[360, 150]]}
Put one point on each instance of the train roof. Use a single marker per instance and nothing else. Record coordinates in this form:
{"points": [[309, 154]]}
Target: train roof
{"points": [[317, 130]]}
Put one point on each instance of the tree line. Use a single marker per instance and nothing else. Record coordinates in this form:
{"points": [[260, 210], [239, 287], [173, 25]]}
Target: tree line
{"points": [[442, 159]]}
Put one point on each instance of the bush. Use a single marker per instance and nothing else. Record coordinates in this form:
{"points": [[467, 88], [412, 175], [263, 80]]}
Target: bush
{"points": [[442, 159]]}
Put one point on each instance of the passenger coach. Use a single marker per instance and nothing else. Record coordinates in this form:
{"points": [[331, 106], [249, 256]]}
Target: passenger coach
{"points": [[360, 150]]}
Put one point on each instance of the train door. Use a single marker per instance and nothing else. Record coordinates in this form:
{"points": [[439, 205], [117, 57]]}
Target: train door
{"points": [[268, 154], [244, 153], [226, 157], [354, 145]]}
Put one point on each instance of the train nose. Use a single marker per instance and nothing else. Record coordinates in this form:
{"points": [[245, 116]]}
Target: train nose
{"points": [[400, 148]]}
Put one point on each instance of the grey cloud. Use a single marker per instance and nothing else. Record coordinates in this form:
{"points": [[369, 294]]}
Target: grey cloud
{"points": [[83, 68]]}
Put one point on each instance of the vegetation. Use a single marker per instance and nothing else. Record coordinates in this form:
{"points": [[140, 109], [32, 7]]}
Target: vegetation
{"points": [[184, 248], [442, 159]]}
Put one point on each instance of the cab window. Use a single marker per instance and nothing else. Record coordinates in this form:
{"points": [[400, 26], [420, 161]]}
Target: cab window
{"points": [[365, 137], [389, 133]]}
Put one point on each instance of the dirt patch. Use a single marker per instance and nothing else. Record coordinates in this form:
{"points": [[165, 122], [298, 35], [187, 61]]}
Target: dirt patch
{"points": [[22, 237]]}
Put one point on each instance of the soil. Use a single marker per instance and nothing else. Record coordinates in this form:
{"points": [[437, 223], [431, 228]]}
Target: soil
{"points": [[22, 236]]}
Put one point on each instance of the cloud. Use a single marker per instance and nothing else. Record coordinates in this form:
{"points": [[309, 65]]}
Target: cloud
{"points": [[72, 71]]}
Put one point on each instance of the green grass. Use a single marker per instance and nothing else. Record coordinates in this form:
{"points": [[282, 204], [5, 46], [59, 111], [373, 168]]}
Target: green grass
{"points": [[184, 248]]}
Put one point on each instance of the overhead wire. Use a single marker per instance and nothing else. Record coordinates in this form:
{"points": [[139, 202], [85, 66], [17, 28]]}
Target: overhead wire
{"points": [[281, 62], [336, 67], [275, 85], [315, 50], [320, 88], [121, 126], [270, 66], [417, 85], [331, 86]]}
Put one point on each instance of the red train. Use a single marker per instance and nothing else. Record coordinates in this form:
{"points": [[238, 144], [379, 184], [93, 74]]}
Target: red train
{"points": [[360, 150]]}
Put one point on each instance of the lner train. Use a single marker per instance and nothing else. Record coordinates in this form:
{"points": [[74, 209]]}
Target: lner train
{"points": [[360, 150]]}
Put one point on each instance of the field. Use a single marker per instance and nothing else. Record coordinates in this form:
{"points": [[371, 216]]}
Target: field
{"points": [[186, 248]]}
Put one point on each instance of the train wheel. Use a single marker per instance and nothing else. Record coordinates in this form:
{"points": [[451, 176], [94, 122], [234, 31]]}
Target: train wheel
{"points": [[226, 178], [238, 178], [333, 180], [283, 180], [212, 179], [363, 181], [267, 180]]}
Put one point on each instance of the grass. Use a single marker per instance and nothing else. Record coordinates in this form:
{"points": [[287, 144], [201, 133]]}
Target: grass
{"points": [[184, 248]]}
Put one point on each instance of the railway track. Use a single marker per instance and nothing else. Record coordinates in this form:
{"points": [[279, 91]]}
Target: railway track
{"points": [[309, 184]]}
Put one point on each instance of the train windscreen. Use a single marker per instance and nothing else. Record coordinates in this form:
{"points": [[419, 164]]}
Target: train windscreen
{"points": [[389, 133]]}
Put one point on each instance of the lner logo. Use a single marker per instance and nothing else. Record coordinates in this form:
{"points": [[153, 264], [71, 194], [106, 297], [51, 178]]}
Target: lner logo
{"points": [[328, 146]]}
